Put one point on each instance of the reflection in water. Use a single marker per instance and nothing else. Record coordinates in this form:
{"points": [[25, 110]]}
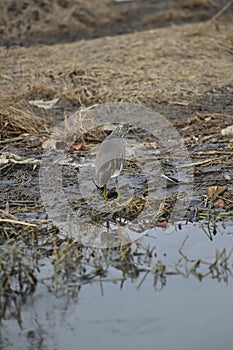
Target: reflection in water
{"points": [[38, 292]]}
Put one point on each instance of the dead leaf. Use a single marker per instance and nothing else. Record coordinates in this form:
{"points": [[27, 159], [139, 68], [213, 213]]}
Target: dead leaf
{"points": [[227, 131], [219, 203], [44, 104], [150, 144], [49, 144], [214, 191], [77, 146]]}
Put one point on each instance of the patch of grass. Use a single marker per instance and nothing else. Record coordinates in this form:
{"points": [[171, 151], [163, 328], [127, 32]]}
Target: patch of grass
{"points": [[17, 118]]}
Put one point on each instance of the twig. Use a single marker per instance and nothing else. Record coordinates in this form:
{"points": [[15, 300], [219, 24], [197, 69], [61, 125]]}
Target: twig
{"points": [[7, 215], [219, 13], [197, 163], [181, 247], [170, 179], [17, 222], [13, 139]]}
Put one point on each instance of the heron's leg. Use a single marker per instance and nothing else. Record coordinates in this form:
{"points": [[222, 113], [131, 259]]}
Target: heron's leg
{"points": [[118, 190], [105, 193]]}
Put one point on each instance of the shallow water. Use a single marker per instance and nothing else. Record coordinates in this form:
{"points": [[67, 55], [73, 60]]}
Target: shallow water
{"points": [[180, 313]]}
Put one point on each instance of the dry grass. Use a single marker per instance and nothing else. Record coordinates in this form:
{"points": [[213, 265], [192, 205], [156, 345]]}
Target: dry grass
{"points": [[17, 118], [51, 21], [45, 20], [177, 65]]}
